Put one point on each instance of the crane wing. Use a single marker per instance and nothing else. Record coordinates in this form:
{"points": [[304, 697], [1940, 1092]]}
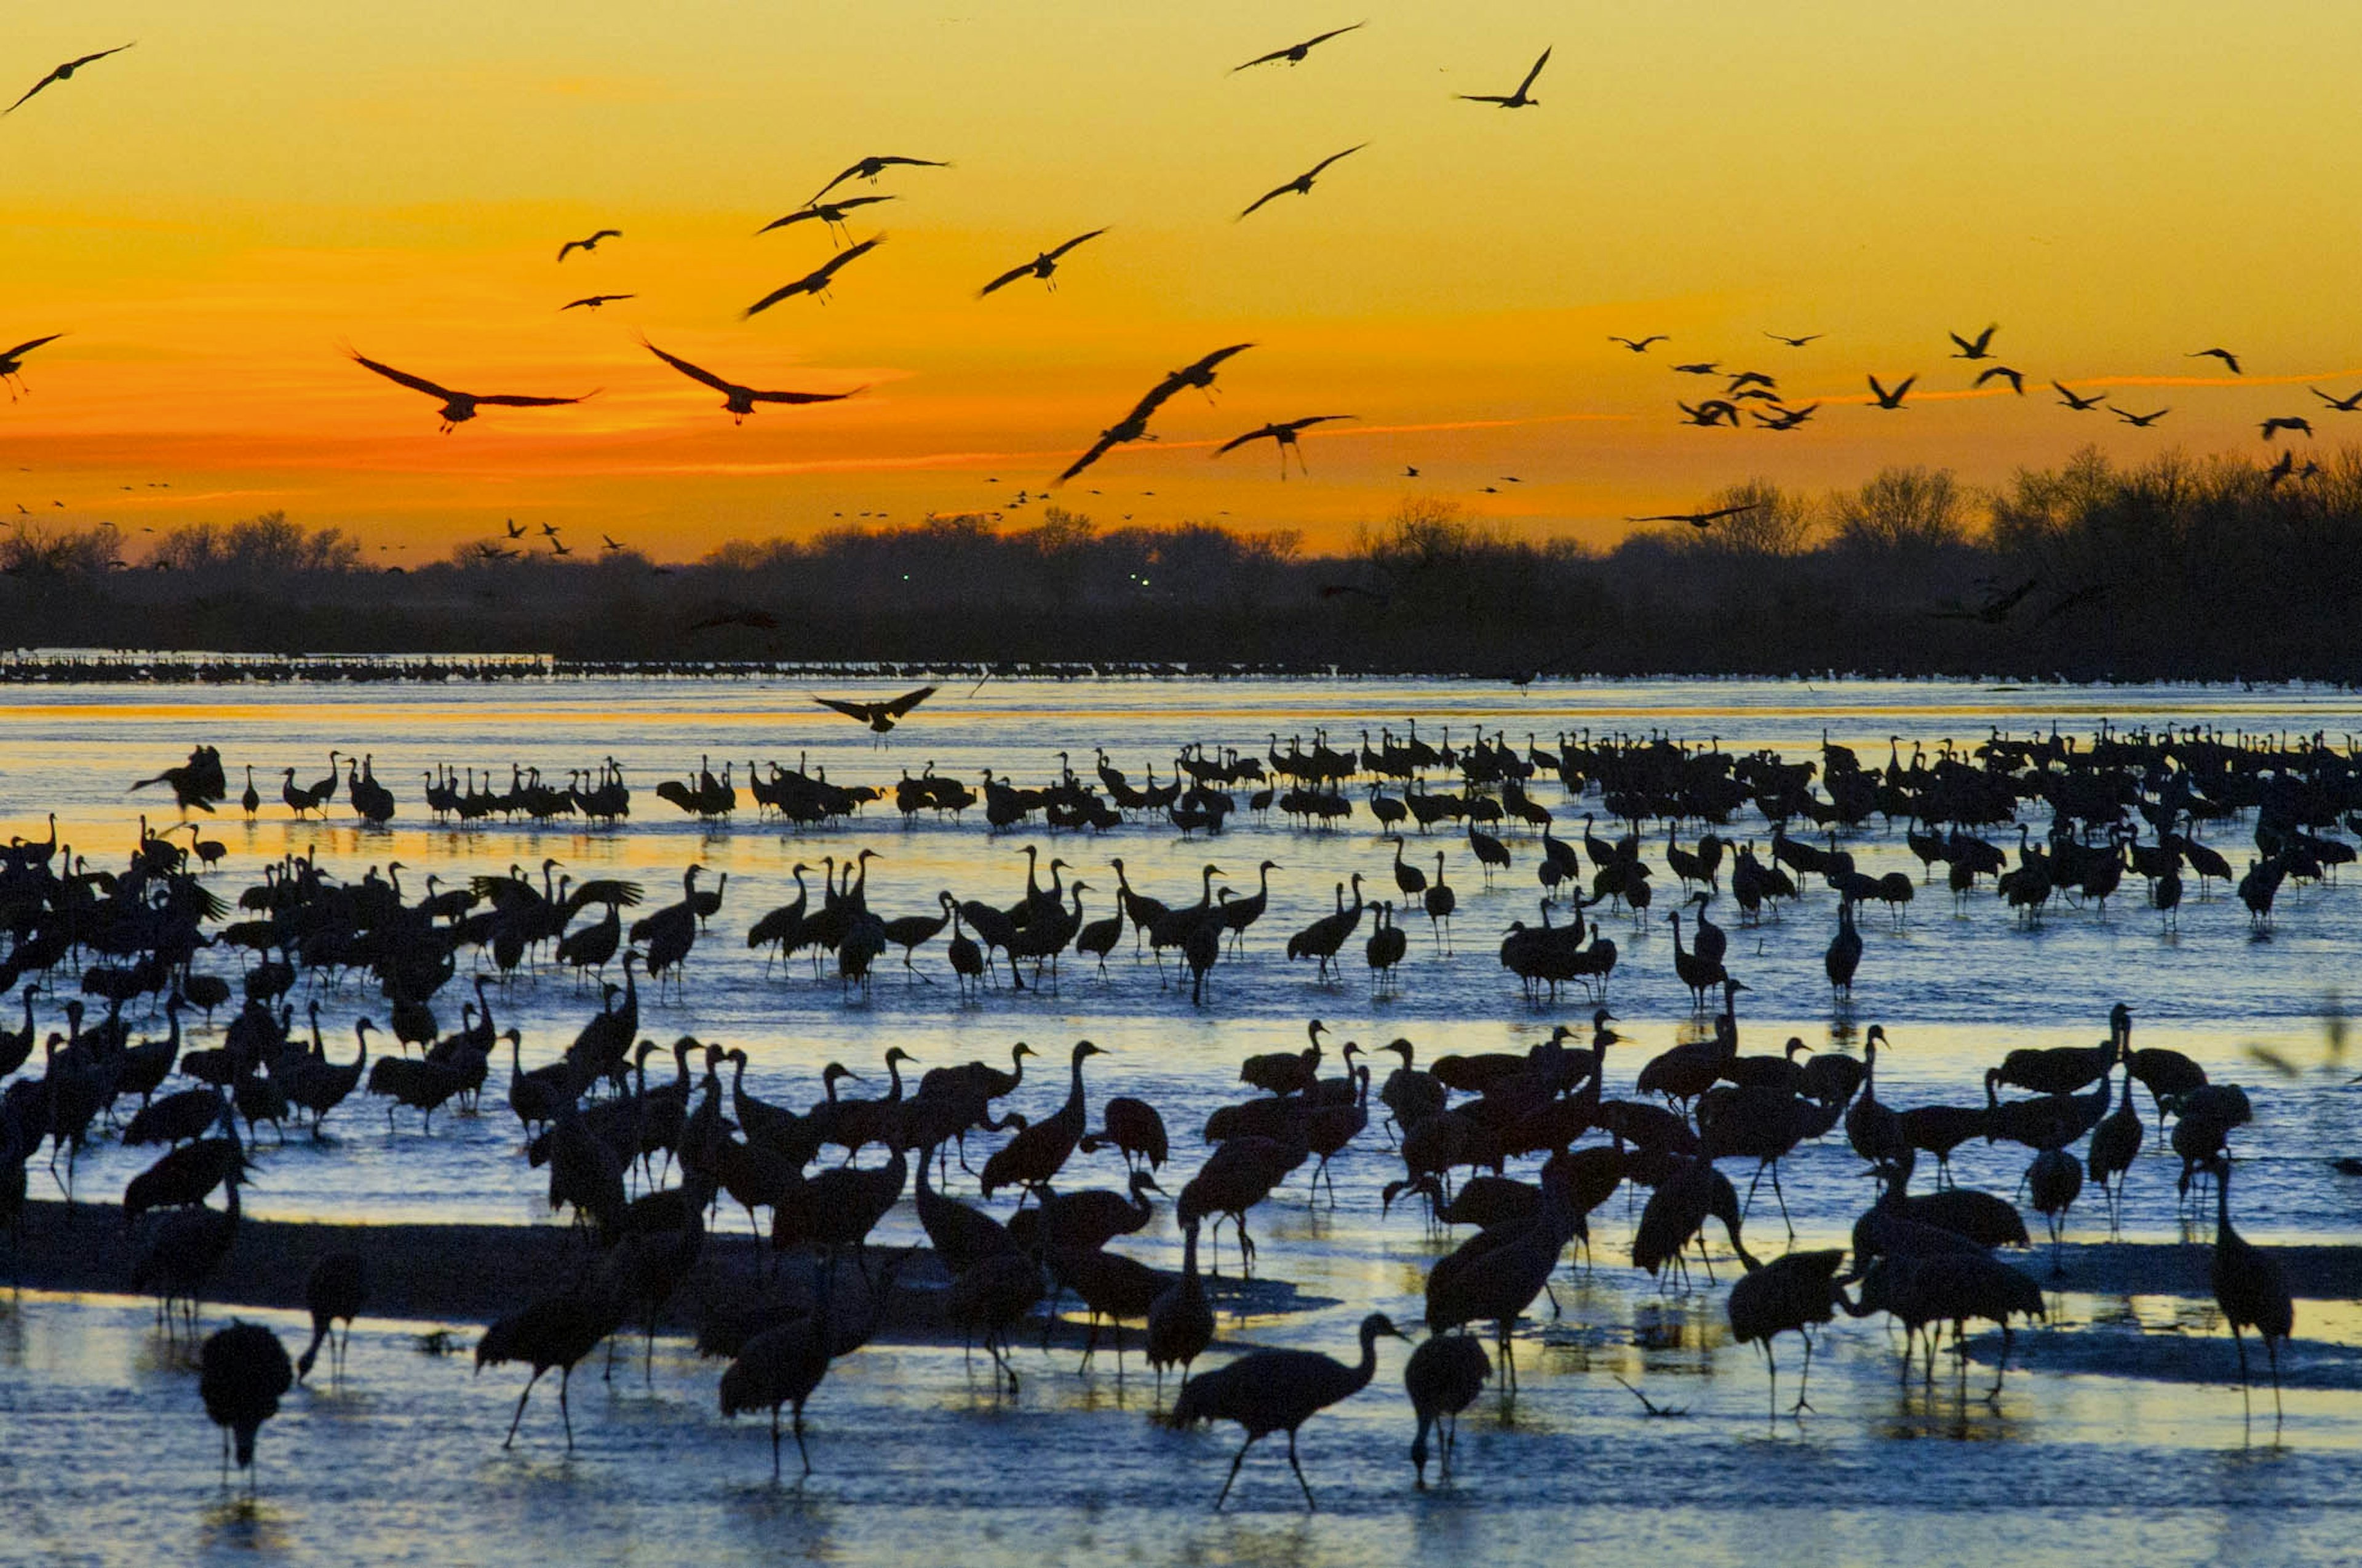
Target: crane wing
{"points": [[802, 396], [861, 710], [1537, 71], [694, 373], [415, 383], [29, 346], [1005, 279], [518, 400], [901, 705]]}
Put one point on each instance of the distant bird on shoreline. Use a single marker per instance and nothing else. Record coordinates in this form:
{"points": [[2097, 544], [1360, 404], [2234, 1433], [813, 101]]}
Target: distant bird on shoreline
{"points": [[1699, 519], [1282, 434], [64, 73], [2228, 358], [1796, 342], [458, 407], [2068, 400], [1302, 185], [593, 302], [1043, 266], [1516, 100], [1977, 347], [829, 213], [1892, 399], [11, 363], [1293, 53], [589, 244], [814, 282], [2142, 421], [880, 716], [871, 167], [1640, 345], [739, 401]]}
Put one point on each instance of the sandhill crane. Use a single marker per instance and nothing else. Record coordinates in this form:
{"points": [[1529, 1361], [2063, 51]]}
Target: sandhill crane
{"points": [[588, 243], [2250, 1286], [1180, 1320], [1043, 266], [1440, 901], [738, 400], [881, 716], [557, 1331], [1039, 1151], [1516, 100], [1302, 185], [1443, 1377], [2053, 1182], [870, 168], [783, 1365], [1267, 1391], [336, 1287], [1133, 1127], [1890, 400], [831, 215], [64, 72], [458, 407], [816, 282], [2230, 360], [1282, 435], [1794, 1293], [1927, 1291], [241, 1373], [1295, 53]]}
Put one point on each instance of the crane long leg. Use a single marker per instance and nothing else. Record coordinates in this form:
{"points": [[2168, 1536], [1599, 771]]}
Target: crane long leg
{"points": [[1292, 1464], [1805, 1381], [802, 1452], [520, 1409], [2246, 1402], [564, 1377], [1236, 1460]]}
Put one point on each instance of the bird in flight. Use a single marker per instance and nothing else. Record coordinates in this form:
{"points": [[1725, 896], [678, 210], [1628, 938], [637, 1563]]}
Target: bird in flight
{"points": [[2228, 358], [1293, 53], [587, 246], [549, 530], [2142, 421], [2068, 400], [1712, 412], [878, 716], [516, 530], [1699, 519], [64, 73], [2274, 427], [2016, 379], [829, 213], [1045, 266], [593, 301], [1785, 418], [871, 167], [458, 407], [1282, 434], [2281, 469], [1977, 347], [1892, 399], [814, 282], [559, 546], [1794, 342], [12, 363], [1640, 345], [737, 400], [1750, 379], [609, 544], [1516, 100], [1134, 427], [2342, 405], [1302, 185], [1411, 472], [1702, 368]]}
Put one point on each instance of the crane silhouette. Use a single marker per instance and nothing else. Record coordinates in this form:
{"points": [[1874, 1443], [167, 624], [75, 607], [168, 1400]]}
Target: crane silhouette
{"points": [[2275, 425], [1640, 345], [1282, 434], [595, 301], [588, 243], [739, 401], [880, 716], [1796, 342], [2068, 400], [829, 213], [2016, 379], [1892, 399], [1443, 1377], [873, 166], [2230, 360], [241, 1373], [2250, 1286], [1269, 1391], [1699, 519], [64, 73], [1977, 347], [814, 282], [1302, 185], [458, 407], [1516, 100], [2140, 420], [1295, 53], [1134, 427], [2342, 404], [1043, 266]]}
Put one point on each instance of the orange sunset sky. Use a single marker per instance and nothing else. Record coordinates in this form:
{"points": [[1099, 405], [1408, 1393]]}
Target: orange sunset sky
{"points": [[215, 214]]}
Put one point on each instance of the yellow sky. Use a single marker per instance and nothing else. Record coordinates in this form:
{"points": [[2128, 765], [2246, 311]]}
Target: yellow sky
{"points": [[213, 214]]}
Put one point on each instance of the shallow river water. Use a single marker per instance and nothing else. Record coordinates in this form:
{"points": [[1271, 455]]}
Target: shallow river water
{"points": [[105, 1456]]}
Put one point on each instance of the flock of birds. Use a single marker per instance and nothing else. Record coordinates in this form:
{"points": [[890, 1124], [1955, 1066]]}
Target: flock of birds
{"points": [[1748, 395], [594, 1119]]}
